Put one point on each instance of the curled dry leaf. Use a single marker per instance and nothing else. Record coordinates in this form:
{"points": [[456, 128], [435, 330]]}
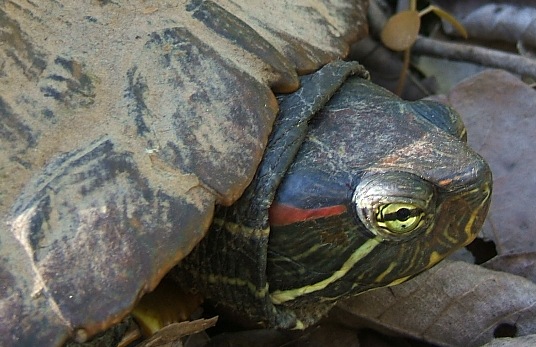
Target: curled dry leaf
{"points": [[453, 304]]}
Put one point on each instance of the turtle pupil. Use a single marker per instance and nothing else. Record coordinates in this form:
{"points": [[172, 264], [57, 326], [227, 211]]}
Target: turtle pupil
{"points": [[403, 214]]}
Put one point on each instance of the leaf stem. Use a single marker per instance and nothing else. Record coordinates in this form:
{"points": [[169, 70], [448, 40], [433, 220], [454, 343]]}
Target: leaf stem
{"points": [[403, 73], [426, 11]]}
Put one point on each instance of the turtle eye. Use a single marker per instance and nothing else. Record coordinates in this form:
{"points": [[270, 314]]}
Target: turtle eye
{"points": [[399, 218], [395, 205]]}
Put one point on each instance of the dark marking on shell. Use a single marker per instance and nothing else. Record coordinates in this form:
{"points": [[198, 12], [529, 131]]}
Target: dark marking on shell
{"points": [[229, 99], [97, 197], [20, 48], [69, 84], [235, 30], [13, 129], [136, 89]]}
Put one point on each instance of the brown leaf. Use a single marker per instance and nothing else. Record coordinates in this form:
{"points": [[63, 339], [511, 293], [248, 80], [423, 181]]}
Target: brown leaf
{"points": [[401, 30], [495, 20], [498, 110], [521, 264], [523, 341], [453, 304], [174, 332]]}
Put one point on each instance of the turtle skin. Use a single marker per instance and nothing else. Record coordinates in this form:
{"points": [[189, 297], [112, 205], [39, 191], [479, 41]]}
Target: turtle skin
{"points": [[123, 125]]}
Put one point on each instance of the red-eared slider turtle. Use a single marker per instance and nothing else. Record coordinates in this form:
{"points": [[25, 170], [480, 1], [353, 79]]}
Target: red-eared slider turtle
{"points": [[124, 124]]}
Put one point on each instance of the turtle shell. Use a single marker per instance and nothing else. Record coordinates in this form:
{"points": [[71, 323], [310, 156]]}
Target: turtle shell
{"points": [[122, 126]]}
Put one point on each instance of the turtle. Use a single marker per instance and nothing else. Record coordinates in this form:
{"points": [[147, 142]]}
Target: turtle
{"points": [[135, 137]]}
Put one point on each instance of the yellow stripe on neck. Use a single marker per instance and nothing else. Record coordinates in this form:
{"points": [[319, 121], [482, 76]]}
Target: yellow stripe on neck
{"points": [[281, 296]]}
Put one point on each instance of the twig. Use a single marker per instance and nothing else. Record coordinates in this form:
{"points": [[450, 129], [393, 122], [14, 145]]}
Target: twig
{"points": [[483, 56]]}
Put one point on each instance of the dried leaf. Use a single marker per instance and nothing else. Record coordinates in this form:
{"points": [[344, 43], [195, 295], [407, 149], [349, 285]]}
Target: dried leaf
{"points": [[495, 20], [453, 304], [498, 110], [167, 304], [521, 264], [523, 341], [401, 30], [174, 332]]}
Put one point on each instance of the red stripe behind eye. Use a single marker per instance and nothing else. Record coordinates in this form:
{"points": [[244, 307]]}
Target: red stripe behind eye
{"points": [[282, 214]]}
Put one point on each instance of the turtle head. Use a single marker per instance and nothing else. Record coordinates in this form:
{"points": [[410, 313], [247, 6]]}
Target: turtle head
{"points": [[381, 190]]}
